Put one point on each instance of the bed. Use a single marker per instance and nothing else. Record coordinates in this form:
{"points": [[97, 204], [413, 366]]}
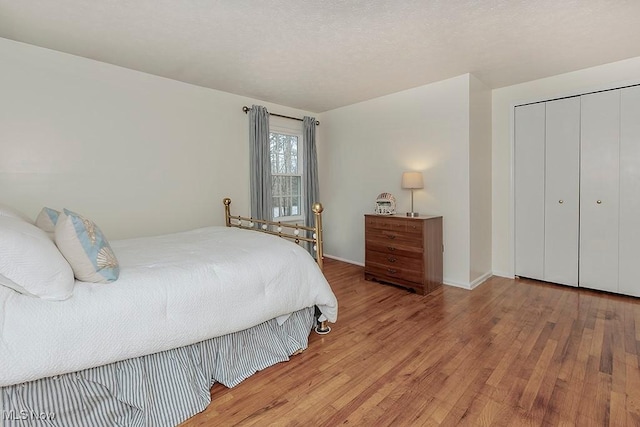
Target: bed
{"points": [[188, 309]]}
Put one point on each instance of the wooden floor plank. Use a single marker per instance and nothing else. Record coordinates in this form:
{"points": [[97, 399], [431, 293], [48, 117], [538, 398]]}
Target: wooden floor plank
{"points": [[510, 352]]}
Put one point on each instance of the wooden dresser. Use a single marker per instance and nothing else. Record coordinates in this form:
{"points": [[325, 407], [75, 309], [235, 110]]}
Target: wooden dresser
{"points": [[404, 251]]}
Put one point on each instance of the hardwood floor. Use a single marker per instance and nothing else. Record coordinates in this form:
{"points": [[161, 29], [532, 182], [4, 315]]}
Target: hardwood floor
{"points": [[509, 353]]}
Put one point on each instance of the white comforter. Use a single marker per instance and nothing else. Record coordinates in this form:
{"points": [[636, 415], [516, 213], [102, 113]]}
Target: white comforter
{"points": [[173, 290]]}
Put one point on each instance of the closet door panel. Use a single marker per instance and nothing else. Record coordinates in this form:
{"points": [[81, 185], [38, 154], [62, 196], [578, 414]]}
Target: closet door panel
{"points": [[562, 190], [529, 190], [599, 190], [629, 279]]}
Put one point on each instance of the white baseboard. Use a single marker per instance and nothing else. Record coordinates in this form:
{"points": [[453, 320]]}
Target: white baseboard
{"points": [[468, 286], [453, 283], [503, 274], [480, 280], [348, 261]]}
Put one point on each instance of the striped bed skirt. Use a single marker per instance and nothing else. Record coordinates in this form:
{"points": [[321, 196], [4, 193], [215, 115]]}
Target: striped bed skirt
{"points": [[162, 389]]}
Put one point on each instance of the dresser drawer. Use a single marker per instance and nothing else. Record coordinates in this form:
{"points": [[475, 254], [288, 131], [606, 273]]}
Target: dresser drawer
{"points": [[385, 223], [401, 238], [393, 261], [393, 224], [414, 226], [392, 248], [383, 272]]}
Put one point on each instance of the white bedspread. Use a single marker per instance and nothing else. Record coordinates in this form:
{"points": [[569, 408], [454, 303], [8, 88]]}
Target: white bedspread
{"points": [[173, 290]]}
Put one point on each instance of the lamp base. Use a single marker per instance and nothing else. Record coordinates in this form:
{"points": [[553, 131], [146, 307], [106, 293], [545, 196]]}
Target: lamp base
{"points": [[413, 214]]}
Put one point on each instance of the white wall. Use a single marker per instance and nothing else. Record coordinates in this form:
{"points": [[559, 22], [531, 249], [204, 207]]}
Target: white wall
{"points": [[479, 180], [367, 146], [137, 153], [596, 78]]}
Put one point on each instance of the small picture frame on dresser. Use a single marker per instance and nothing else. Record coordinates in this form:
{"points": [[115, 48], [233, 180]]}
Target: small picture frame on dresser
{"points": [[385, 204]]}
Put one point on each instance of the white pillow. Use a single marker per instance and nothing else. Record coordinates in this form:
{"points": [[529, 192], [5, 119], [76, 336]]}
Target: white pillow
{"points": [[86, 248], [47, 219], [13, 213], [30, 263]]}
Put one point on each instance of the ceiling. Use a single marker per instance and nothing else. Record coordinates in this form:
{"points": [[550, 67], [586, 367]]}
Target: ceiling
{"points": [[323, 54]]}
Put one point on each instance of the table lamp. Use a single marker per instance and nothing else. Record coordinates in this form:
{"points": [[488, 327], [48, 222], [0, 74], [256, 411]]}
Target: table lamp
{"points": [[412, 181]]}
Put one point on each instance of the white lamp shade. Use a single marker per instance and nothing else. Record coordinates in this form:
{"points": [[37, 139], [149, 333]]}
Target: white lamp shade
{"points": [[412, 180]]}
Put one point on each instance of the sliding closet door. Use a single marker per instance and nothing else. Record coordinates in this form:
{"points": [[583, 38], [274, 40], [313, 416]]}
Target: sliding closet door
{"points": [[629, 281], [529, 190], [599, 190], [562, 190]]}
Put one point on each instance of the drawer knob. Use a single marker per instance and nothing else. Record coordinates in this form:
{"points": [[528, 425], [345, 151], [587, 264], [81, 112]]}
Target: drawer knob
{"points": [[392, 271], [391, 236], [391, 248], [391, 259]]}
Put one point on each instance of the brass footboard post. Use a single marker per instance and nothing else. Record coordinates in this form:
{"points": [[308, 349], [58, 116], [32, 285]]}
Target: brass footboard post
{"points": [[317, 212], [227, 211], [322, 327]]}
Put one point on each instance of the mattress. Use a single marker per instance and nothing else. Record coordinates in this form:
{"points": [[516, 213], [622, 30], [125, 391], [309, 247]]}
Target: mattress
{"points": [[174, 290]]}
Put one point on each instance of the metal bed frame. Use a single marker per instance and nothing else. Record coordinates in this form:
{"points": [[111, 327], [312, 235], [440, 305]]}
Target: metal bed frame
{"points": [[295, 232]]}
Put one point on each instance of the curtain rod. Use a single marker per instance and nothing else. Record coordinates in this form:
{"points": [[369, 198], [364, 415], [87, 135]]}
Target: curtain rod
{"points": [[246, 110]]}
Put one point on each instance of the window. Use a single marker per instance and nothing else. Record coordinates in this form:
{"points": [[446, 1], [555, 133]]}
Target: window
{"points": [[286, 175]]}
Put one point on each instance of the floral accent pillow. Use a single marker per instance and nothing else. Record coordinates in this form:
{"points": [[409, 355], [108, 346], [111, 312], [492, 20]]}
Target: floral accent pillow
{"points": [[86, 248]]}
